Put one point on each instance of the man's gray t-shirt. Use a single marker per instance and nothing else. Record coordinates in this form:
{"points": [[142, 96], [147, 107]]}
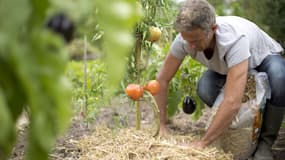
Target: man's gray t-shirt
{"points": [[237, 39]]}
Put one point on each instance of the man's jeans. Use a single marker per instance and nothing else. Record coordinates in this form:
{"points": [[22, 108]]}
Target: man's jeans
{"points": [[211, 83]]}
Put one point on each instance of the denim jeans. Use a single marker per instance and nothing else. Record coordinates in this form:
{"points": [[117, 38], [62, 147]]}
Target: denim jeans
{"points": [[211, 83]]}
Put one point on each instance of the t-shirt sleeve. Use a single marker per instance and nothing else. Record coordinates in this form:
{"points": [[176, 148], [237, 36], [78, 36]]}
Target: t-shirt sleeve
{"points": [[177, 47], [239, 52]]}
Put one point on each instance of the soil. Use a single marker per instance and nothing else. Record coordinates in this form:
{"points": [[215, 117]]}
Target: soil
{"points": [[117, 115]]}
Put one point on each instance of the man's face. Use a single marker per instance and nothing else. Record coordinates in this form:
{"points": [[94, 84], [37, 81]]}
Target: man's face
{"points": [[197, 39]]}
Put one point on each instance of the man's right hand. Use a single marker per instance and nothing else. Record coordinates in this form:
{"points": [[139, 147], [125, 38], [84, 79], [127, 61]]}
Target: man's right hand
{"points": [[163, 131]]}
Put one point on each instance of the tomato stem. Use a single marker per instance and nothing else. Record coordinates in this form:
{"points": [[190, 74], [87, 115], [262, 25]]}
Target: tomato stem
{"points": [[156, 113]]}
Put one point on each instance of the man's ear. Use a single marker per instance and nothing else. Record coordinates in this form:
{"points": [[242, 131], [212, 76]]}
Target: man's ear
{"points": [[214, 27]]}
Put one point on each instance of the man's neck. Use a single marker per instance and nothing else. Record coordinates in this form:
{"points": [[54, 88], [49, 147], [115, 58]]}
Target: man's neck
{"points": [[213, 42], [208, 52]]}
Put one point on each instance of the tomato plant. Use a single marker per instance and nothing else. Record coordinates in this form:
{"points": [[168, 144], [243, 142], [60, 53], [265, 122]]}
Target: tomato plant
{"points": [[135, 92]]}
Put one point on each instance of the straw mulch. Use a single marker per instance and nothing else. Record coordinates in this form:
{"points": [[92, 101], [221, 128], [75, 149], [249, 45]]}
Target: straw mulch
{"points": [[131, 144]]}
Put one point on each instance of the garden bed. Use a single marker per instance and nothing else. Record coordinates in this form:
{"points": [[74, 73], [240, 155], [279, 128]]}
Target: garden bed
{"points": [[112, 136]]}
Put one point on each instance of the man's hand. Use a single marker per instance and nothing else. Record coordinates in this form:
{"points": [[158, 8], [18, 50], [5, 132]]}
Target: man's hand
{"points": [[163, 131], [199, 144]]}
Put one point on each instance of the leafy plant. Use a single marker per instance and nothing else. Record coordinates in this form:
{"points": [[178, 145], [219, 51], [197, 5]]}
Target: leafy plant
{"points": [[117, 19], [157, 20], [96, 86], [32, 63], [184, 84], [189, 75]]}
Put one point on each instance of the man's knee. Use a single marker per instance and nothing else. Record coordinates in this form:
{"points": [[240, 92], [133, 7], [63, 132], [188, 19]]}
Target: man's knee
{"points": [[204, 94], [274, 66], [277, 90], [209, 86]]}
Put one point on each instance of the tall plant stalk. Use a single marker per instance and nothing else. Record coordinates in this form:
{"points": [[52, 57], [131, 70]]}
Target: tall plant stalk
{"points": [[138, 74], [85, 107]]}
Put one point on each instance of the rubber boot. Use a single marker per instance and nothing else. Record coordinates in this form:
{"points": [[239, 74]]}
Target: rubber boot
{"points": [[272, 121]]}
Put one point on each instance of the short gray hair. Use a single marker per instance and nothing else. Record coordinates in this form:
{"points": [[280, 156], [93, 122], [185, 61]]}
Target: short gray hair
{"points": [[195, 14]]}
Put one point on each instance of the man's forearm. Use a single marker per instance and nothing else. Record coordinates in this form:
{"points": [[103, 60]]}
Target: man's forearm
{"points": [[161, 99], [234, 90], [221, 121]]}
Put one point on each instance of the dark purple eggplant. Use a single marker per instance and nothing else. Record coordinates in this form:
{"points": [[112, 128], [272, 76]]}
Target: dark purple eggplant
{"points": [[189, 105], [62, 25]]}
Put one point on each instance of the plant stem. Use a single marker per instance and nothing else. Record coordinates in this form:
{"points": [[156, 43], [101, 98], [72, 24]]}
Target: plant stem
{"points": [[85, 77], [156, 113], [138, 110], [138, 73], [138, 58]]}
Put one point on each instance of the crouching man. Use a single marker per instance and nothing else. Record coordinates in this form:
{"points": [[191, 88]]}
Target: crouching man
{"points": [[229, 46]]}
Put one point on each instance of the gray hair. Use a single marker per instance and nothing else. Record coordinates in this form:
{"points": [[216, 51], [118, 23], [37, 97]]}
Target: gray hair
{"points": [[195, 14]]}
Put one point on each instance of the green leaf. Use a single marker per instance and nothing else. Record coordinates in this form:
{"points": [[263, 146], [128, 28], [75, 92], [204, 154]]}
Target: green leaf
{"points": [[39, 8], [7, 134], [174, 98], [13, 16]]}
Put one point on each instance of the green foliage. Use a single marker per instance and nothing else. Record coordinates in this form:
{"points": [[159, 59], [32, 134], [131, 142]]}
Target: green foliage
{"points": [[95, 89], [151, 55], [79, 11], [184, 84], [158, 13], [32, 64], [268, 14], [84, 13], [175, 94], [6, 123], [220, 6], [117, 19], [273, 15], [224, 8]]}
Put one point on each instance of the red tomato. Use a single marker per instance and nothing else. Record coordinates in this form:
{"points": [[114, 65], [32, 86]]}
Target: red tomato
{"points": [[152, 86], [134, 91]]}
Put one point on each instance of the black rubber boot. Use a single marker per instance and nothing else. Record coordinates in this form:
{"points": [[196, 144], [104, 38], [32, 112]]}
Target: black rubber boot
{"points": [[272, 121]]}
